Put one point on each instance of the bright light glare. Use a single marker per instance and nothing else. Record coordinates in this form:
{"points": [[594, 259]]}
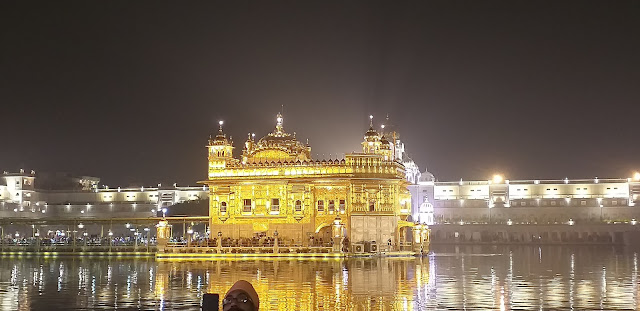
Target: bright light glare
{"points": [[497, 178]]}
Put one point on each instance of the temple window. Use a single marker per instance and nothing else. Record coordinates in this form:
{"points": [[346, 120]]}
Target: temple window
{"points": [[320, 206], [298, 206], [275, 205], [342, 206], [223, 207], [332, 205], [247, 206]]}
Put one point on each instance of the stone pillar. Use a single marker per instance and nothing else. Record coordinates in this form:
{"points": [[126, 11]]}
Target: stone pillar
{"points": [[337, 235], [275, 242], [417, 238], [163, 235], [219, 242]]}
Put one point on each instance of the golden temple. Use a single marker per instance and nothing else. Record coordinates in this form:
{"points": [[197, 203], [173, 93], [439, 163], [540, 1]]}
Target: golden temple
{"points": [[276, 189]]}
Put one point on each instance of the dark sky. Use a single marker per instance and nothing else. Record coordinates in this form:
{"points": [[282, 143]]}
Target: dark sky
{"points": [[130, 91]]}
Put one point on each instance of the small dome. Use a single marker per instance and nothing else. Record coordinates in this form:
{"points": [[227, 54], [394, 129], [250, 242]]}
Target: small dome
{"points": [[371, 133]]}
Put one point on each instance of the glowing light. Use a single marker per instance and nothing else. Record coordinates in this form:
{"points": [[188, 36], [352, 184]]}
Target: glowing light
{"points": [[220, 122], [634, 222], [636, 176], [80, 225], [497, 178], [509, 222], [128, 225], [571, 222]]}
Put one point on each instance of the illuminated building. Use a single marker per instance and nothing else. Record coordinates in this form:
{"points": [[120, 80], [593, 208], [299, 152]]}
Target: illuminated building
{"points": [[276, 186], [500, 200], [21, 197]]}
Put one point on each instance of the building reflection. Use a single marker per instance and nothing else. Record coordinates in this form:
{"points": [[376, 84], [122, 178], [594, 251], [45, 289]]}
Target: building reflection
{"points": [[311, 284]]}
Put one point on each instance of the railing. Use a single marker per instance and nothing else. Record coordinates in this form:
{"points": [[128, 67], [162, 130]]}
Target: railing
{"points": [[293, 249]]}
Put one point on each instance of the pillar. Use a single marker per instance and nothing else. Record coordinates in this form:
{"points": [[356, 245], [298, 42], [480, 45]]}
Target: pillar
{"points": [[163, 235]]}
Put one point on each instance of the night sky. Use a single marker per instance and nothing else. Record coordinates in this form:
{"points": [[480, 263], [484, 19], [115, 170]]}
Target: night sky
{"points": [[130, 91]]}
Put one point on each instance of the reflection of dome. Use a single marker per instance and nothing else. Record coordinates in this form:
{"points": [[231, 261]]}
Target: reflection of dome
{"points": [[276, 146]]}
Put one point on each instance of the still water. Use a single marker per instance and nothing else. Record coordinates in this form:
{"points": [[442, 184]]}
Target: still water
{"points": [[455, 278]]}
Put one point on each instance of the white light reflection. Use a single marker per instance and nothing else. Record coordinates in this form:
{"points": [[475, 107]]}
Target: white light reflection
{"points": [[109, 274], [603, 288], [494, 280], [93, 285], [345, 276], [14, 275], [572, 282], [189, 279], [510, 279], [60, 276], [41, 283], [150, 279], [464, 284], [634, 281]]}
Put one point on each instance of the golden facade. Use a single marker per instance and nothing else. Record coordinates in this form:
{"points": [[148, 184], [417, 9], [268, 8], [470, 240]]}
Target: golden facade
{"points": [[276, 186]]}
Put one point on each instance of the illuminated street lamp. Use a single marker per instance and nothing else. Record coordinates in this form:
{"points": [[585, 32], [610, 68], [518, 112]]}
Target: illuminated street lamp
{"points": [[190, 236], [571, 222], [497, 179], [110, 234], [147, 230], [634, 222], [509, 222], [164, 212], [80, 226], [636, 176]]}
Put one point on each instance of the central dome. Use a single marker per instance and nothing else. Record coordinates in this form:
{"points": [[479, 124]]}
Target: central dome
{"points": [[276, 146]]}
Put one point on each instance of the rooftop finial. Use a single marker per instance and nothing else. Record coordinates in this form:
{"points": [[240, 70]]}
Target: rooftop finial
{"points": [[279, 122], [371, 120], [220, 123]]}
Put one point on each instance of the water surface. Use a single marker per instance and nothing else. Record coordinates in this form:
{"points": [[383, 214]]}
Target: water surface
{"points": [[454, 278]]}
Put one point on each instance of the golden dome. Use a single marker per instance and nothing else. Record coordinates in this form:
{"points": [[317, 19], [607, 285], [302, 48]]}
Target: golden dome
{"points": [[220, 139], [278, 146]]}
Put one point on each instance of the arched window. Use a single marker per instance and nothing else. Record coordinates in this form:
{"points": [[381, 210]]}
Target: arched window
{"points": [[223, 207], [342, 206], [298, 206], [332, 205], [372, 206], [320, 206]]}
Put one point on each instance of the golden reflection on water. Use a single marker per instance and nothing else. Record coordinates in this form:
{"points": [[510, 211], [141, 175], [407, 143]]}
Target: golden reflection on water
{"points": [[362, 284]]}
